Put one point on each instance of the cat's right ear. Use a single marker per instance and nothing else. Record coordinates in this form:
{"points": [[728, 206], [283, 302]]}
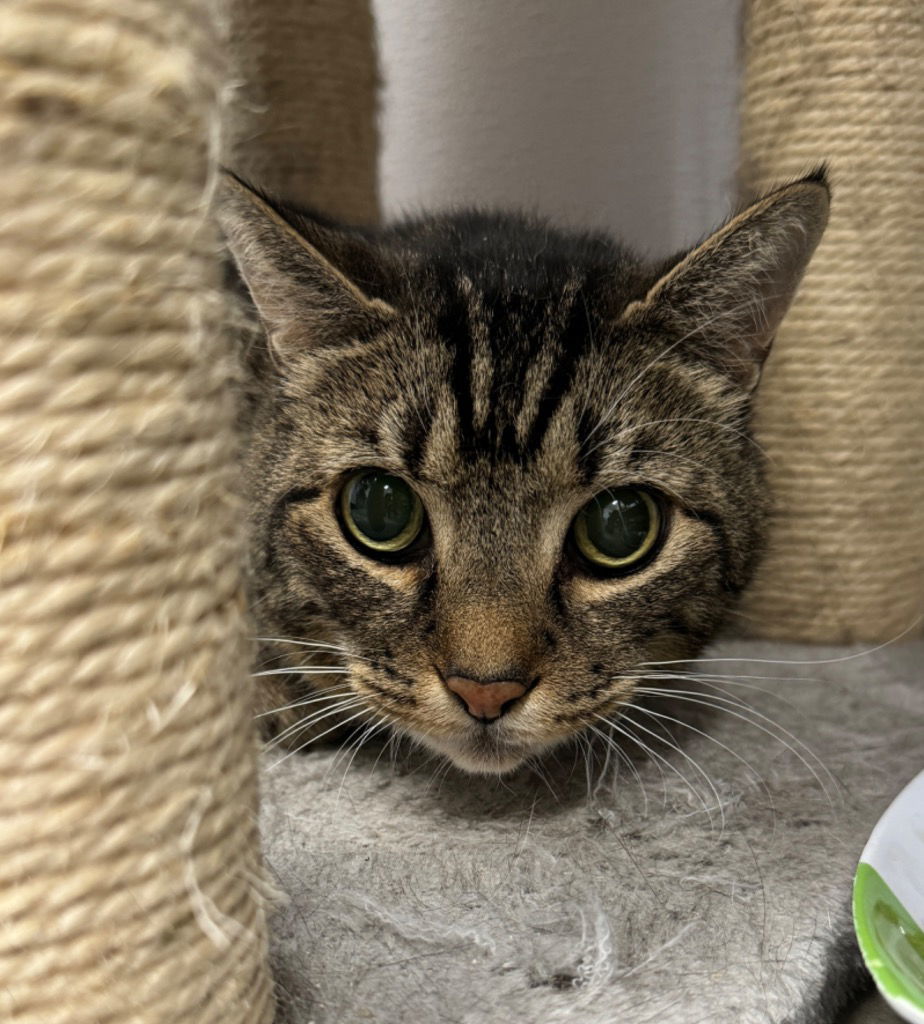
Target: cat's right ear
{"points": [[304, 298]]}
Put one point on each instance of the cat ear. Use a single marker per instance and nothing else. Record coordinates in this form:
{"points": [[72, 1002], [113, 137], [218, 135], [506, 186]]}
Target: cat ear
{"points": [[728, 295], [293, 270]]}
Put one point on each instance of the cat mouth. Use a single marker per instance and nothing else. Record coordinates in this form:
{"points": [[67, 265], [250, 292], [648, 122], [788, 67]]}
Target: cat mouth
{"points": [[485, 752]]}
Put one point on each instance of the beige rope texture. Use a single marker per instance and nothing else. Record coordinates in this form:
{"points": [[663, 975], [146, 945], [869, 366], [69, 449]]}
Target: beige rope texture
{"points": [[129, 866], [302, 109], [841, 410]]}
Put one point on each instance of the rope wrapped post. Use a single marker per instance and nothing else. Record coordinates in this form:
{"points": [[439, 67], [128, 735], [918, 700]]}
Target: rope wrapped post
{"points": [[301, 110], [841, 407], [129, 862]]}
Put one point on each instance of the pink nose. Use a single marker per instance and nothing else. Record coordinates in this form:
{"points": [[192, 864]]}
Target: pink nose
{"points": [[485, 700]]}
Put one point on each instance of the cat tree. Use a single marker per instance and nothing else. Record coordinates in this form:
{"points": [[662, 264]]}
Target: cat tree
{"points": [[841, 406], [130, 882]]}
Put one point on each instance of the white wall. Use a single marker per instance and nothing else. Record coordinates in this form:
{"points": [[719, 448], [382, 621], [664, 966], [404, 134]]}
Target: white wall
{"points": [[613, 113]]}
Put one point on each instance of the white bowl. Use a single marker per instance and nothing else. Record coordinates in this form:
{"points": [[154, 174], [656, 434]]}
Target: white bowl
{"points": [[888, 903]]}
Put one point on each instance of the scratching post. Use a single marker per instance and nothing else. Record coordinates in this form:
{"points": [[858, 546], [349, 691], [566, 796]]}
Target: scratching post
{"points": [[129, 866], [841, 408], [301, 111]]}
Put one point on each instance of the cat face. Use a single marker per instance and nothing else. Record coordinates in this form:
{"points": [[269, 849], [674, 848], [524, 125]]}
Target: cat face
{"points": [[500, 469]]}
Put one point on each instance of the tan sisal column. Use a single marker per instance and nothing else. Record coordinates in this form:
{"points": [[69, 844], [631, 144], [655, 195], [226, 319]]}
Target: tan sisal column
{"points": [[301, 117], [129, 865], [841, 408]]}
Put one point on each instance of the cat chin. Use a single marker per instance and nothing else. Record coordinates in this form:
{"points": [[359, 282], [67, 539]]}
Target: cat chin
{"points": [[486, 758]]}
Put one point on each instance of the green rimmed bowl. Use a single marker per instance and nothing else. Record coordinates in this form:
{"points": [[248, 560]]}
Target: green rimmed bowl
{"points": [[888, 903]]}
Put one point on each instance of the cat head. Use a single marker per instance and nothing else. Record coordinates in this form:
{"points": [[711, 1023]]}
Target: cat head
{"points": [[503, 468]]}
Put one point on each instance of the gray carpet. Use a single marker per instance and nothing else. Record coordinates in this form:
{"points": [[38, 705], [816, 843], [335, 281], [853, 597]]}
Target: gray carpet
{"points": [[453, 900]]}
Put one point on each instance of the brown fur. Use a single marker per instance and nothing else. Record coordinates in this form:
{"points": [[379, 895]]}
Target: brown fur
{"points": [[509, 373]]}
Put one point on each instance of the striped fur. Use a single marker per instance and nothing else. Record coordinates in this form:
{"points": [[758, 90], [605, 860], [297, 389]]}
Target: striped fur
{"points": [[509, 372]]}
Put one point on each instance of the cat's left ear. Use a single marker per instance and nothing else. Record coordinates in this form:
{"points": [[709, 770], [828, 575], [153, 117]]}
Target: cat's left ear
{"points": [[299, 272], [727, 296]]}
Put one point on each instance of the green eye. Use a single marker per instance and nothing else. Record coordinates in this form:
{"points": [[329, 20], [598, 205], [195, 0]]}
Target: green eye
{"points": [[618, 528], [381, 511]]}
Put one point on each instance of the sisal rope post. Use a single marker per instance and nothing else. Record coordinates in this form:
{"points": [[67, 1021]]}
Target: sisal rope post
{"points": [[841, 407], [129, 862], [301, 107]]}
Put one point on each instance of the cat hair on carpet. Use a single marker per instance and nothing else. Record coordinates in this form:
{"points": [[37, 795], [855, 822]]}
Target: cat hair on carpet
{"points": [[419, 894]]}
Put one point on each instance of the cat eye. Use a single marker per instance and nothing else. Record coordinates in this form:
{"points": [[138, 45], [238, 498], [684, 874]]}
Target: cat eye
{"points": [[381, 512], [618, 529]]}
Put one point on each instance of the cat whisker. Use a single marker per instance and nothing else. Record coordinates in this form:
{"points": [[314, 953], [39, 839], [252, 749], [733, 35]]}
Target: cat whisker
{"points": [[315, 646], [646, 749], [320, 645], [391, 744], [609, 749], [349, 743], [415, 741], [303, 670], [365, 736], [316, 698], [376, 725], [714, 683], [721, 695], [720, 805], [810, 661], [299, 641], [440, 771], [724, 746], [400, 738], [265, 662], [667, 741], [314, 718], [329, 703], [535, 766], [608, 752], [443, 774], [722, 676], [721, 698], [315, 739], [623, 757], [611, 743], [304, 725], [584, 744], [717, 703]]}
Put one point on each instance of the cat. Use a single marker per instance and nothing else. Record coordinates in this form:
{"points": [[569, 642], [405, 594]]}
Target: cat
{"points": [[496, 470]]}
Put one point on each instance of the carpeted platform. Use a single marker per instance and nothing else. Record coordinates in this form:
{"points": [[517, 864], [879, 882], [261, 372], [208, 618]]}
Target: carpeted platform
{"points": [[426, 896]]}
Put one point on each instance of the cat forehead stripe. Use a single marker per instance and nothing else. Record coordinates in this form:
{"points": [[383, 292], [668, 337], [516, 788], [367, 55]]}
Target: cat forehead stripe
{"points": [[499, 342]]}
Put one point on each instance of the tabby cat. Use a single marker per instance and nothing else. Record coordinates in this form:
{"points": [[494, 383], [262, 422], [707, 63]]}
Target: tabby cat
{"points": [[497, 470]]}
